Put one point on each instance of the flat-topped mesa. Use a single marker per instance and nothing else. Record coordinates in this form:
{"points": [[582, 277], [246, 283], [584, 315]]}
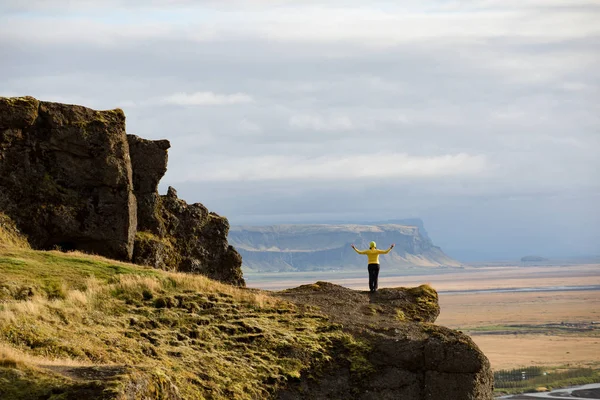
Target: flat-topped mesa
{"points": [[302, 247], [70, 177]]}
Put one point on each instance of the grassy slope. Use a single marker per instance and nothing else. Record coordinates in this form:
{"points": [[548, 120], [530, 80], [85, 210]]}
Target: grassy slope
{"points": [[147, 332]]}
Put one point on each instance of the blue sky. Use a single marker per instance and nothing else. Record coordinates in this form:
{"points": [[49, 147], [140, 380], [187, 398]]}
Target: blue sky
{"points": [[481, 117]]}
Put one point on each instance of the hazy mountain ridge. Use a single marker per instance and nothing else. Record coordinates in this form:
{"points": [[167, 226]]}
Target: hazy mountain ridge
{"points": [[295, 247]]}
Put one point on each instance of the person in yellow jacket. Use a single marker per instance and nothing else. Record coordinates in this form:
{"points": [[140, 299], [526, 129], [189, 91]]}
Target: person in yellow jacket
{"points": [[373, 256]]}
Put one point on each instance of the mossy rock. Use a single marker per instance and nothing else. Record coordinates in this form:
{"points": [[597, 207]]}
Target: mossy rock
{"points": [[18, 112], [156, 252]]}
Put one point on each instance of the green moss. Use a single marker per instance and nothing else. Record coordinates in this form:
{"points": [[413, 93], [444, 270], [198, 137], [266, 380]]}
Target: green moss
{"points": [[356, 352], [423, 291], [19, 101], [150, 247], [424, 305], [147, 237], [400, 315]]}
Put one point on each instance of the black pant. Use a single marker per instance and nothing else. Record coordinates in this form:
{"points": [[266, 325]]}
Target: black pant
{"points": [[373, 275]]}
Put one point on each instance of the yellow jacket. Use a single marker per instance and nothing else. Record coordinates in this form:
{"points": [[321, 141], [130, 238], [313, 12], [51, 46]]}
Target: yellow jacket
{"points": [[372, 254]]}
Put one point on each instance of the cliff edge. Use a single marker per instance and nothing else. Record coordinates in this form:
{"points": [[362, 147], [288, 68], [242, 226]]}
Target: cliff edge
{"points": [[71, 178], [406, 357]]}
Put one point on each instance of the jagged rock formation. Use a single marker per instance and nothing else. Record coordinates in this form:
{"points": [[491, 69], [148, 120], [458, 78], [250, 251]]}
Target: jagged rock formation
{"points": [[190, 238], [172, 234], [318, 247], [149, 160], [70, 177], [408, 356]]}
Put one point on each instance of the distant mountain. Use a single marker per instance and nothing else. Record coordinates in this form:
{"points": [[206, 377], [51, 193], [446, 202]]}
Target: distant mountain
{"points": [[533, 259], [327, 246]]}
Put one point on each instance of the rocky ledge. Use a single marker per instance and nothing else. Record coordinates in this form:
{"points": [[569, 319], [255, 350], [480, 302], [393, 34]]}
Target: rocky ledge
{"points": [[407, 356]]}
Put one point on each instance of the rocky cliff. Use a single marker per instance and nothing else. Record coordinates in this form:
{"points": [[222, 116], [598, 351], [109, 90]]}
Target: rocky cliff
{"points": [[314, 247], [70, 177], [65, 176], [406, 356]]}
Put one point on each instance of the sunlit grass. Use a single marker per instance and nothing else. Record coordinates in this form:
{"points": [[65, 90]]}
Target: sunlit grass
{"points": [[206, 338]]}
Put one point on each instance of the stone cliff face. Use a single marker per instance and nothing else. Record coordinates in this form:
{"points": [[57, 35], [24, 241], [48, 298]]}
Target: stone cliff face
{"points": [[70, 177], [408, 357], [65, 176], [314, 247]]}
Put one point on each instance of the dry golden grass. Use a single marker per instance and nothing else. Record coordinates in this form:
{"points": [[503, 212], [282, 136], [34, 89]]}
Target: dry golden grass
{"points": [[19, 357], [10, 235], [200, 283]]}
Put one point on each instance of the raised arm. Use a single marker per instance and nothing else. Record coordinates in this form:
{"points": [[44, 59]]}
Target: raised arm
{"points": [[386, 251], [358, 251]]}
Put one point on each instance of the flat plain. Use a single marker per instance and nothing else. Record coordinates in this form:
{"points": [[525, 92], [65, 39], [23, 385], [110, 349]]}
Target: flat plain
{"points": [[518, 315]]}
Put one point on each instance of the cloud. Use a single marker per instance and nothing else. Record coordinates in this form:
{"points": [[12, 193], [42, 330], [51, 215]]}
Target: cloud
{"points": [[311, 23], [285, 109], [206, 99], [249, 127], [319, 123], [346, 168]]}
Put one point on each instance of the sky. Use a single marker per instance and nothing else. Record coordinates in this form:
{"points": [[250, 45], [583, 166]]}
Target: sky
{"points": [[480, 117]]}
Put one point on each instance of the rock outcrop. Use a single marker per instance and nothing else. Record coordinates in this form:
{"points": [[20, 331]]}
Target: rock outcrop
{"points": [[325, 246], [172, 234], [188, 238], [65, 176], [407, 357], [70, 177], [149, 160]]}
